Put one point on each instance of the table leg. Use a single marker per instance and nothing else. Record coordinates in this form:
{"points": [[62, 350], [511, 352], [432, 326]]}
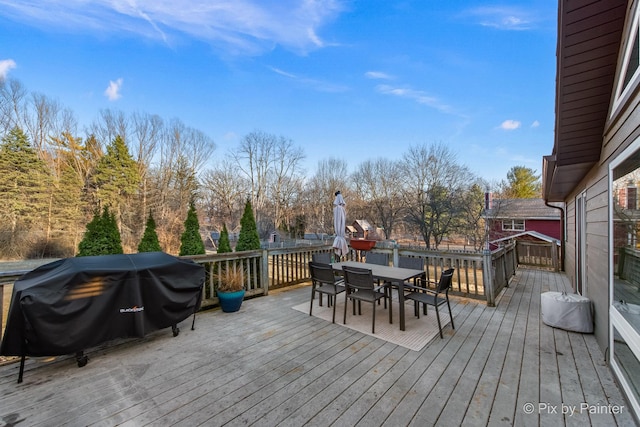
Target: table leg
{"points": [[401, 304]]}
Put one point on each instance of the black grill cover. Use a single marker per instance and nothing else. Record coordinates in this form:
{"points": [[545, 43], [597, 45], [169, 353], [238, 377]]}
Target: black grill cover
{"points": [[76, 303]]}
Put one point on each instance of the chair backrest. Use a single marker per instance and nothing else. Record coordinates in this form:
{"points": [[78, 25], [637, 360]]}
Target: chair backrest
{"points": [[358, 278], [321, 272], [377, 258], [413, 263], [445, 280], [321, 257]]}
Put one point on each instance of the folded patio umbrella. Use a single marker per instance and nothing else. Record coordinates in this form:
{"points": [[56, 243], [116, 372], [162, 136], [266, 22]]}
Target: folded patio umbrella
{"points": [[340, 246]]}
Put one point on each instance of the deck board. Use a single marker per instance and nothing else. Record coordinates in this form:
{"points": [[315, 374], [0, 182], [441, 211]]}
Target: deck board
{"points": [[272, 365]]}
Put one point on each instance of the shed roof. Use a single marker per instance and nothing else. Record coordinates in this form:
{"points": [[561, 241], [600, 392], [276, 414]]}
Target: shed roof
{"points": [[522, 209]]}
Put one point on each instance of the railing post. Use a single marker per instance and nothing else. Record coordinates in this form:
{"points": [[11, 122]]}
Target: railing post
{"points": [[487, 277], [264, 276], [554, 256], [396, 256]]}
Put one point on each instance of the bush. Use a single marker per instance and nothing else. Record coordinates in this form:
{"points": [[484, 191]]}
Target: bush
{"points": [[191, 242], [248, 239], [150, 242], [102, 236]]}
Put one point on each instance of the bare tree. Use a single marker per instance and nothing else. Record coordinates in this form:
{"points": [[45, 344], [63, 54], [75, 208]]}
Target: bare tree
{"points": [[109, 125], [285, 180], [254, 158], [145, 137], [378, 183], [12, 105], [40, 121], [331, 175], [271, 166], [224, 194], [433, 187]]}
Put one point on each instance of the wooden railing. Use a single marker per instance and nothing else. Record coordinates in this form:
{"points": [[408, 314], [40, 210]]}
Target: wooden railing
{"points": [[540, 254], [477, 275]]}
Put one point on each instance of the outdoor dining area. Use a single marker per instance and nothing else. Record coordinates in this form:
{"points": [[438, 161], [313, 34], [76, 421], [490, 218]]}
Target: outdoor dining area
{"points": [[375, 280], [272, 364]]}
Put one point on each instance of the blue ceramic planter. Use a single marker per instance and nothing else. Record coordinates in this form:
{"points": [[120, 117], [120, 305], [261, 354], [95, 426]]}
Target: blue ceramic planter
{"points": [[230, 301]]}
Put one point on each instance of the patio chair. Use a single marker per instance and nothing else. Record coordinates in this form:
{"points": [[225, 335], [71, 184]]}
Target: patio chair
{"points": [[433, 297], [324, 281], [321, 257], [324, 258], [413, 263], [379, 259], [360, 287]]}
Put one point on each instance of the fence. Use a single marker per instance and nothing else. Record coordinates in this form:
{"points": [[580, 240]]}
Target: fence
{"points": [[477, 275], [539, 254]]}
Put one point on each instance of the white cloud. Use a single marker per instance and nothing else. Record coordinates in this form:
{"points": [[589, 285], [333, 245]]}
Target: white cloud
{"points": [[113, 91], [319, 85], [236, 26], [510, 125], [502, 18], [417, 95], [377, 75], [535, 124], [6, 65]]}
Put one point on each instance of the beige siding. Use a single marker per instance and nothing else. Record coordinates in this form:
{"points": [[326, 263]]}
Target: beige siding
{"points": [[621, 131], [570, 242]]}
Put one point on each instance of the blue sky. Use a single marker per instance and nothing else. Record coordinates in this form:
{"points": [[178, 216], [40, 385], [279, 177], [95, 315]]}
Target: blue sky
{"points": [[356, 80]]}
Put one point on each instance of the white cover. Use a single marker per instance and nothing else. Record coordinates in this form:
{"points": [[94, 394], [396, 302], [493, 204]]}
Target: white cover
{"points": [[571, 312], [340, 245]]}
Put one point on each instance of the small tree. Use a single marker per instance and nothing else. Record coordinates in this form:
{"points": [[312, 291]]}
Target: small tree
{"points": [[522, 183], [248, 239], [224, 245], [102, 236], [150, 242], [191, 242]]}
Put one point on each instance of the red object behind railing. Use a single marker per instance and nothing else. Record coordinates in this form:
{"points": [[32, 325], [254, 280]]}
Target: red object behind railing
{"points": [[362, 244]]}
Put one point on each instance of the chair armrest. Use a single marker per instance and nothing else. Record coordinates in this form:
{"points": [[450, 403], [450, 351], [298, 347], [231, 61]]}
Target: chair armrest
{"points": [[425, 283], [414, 288]]}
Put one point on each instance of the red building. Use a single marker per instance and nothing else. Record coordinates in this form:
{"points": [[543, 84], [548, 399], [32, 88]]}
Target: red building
{"points": [[523, 219]]}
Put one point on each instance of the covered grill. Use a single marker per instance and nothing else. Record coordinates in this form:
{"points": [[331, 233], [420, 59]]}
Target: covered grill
{"points": [[76, 303]]}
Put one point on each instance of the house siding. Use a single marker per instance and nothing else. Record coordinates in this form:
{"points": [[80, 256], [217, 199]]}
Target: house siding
{"points": [[622, 129]]}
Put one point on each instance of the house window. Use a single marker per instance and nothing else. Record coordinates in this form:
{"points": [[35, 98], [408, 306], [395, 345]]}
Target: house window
{"points": [[513, 224], [630, 64], [624, 270]]}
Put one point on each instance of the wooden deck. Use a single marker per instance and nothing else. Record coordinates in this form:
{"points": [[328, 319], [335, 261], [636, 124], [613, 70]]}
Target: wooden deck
{"points": [[271, 365]]}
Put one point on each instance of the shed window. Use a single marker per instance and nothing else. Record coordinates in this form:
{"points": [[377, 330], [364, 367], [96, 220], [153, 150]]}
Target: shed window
{"points": [[513, 224]]}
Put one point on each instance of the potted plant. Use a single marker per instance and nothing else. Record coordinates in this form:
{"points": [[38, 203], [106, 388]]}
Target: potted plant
{"points": [[230, 288]]}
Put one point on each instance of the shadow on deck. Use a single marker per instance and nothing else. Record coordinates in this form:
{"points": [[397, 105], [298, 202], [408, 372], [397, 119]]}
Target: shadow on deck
{"points": [[269, 364]]}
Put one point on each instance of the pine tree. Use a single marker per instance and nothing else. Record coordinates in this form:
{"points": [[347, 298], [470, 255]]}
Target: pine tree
{"points": [[116, 176], [224, 245], [115, 180], [191, 242], [102, 236], [25, 184], [248, 239], [150, 242], [522, 183]]}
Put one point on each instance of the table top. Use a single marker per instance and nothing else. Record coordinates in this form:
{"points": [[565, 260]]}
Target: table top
{"points": [[385, 272]]}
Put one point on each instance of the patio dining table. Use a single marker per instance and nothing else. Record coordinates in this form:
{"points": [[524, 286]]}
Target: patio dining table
{"points": [[394, 275]]}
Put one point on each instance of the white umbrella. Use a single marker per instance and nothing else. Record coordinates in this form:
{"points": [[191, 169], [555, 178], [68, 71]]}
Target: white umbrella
{"points": [[340, 246]]}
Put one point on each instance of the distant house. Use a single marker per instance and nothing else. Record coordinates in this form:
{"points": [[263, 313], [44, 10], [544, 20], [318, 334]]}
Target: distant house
{"points": [[523, 219], [361, 229]]}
